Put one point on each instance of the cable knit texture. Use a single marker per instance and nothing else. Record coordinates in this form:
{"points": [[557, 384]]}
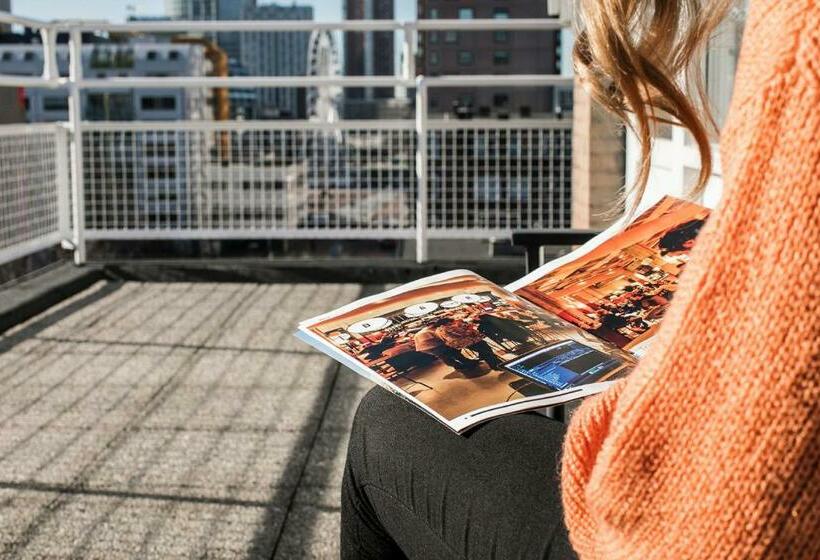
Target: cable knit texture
{"points": [[710, 448]]}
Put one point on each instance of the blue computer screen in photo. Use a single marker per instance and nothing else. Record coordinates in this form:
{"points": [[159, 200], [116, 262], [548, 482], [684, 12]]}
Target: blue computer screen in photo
{"points": [[564, 365]]}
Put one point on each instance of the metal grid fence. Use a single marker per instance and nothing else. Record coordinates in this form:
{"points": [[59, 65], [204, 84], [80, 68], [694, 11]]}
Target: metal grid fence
{"points": [[283, 180], [490, 178], [34, 197], [306, 180]]}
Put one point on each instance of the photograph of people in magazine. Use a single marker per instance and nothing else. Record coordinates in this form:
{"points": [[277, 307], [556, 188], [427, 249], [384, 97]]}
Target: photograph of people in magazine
{"points": [[466, 350]]}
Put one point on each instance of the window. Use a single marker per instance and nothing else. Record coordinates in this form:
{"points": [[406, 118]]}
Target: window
{"points": [[465, 58], [151, 55], [158, 103], [501, 13], [501, 99], [465, 13], [434, 58], [173, 55], [8, 56], [501, 58], [158, 171], [451, 37], [433, 13], [433, 37], [55, 103], [501, 36], [29, 56]]}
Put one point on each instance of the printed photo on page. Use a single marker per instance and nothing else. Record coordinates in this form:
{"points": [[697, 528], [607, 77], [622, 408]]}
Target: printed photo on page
{"points": [[465, 349], [620, 289]]}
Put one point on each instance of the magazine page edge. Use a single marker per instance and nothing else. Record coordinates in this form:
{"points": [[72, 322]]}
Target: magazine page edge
{"points": [[385, 295]]}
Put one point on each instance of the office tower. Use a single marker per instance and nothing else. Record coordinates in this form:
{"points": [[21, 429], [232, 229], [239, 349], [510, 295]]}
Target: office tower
{"points": [[488, 52], [281, 53], [369, 53], [192, 9]]}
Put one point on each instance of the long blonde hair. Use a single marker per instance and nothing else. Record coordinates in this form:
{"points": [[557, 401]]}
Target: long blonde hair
{"points": [[643, 57]]}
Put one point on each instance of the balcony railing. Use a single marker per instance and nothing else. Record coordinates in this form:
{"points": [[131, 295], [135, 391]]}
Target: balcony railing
{"points": [[403, 179]]}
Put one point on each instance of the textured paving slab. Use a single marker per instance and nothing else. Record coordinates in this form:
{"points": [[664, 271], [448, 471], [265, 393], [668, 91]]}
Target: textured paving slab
{"points": [[166, 420]]}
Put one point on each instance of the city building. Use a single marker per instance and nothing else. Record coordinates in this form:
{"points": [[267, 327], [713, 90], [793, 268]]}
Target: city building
{"points": [[152, 169], [369, 53], [282, 53], [193, 9], [11, 100], [121, 60], [488, 52]]}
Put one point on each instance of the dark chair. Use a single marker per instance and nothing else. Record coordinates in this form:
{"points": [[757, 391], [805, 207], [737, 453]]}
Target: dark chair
{"points": [[532, 241]]}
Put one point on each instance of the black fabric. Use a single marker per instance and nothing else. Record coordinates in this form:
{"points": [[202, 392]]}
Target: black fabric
{"points": [[414, 489]]}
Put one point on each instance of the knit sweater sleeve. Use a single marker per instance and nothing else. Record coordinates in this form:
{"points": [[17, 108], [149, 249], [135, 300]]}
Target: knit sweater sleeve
{"points": [[709, 449]]}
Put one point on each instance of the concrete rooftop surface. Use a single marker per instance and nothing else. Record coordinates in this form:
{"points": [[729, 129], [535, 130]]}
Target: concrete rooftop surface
{"points": [[166, 420]]}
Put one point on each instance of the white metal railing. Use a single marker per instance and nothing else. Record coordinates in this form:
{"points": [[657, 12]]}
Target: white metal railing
{"points": [[33, 189], [296, 179], [127, 182]]}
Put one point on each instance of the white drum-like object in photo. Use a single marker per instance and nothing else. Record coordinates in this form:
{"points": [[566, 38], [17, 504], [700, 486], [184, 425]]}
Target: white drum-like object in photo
{"points": [[450, 304], [420, 309], [467, 298], [369, 325]]}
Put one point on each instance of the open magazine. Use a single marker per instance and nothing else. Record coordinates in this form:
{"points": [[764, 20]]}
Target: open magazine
{"points": [[466, 350]]}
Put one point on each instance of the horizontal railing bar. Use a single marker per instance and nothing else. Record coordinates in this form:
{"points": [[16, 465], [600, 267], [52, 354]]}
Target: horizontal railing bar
{"points": [[310, 25], [289, 124], [489, 80], [329, 233], [245, 82], [8, 80], [28, 128], [469, 233], [316, 233], [478, 80], [295, 124], [6, 17], [498, 124], [24, 248], [491, 24]]}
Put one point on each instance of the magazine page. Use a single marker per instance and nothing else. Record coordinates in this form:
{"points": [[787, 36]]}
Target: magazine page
{"points": [[619, 285], [465, 350]]}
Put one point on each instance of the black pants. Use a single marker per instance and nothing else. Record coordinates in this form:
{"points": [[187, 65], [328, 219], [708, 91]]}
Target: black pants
{"points": [[485, 353], [412, 488]]}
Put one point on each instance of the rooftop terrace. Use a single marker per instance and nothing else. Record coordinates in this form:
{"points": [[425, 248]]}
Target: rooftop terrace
{"points": [[173, 420]]}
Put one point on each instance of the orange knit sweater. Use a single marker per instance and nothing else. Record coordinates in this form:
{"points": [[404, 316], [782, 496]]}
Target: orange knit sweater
{"points": [[711, 447]]}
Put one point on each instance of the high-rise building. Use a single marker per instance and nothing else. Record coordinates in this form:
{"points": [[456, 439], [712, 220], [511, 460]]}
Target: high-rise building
{"points": [[369, 53], [192, 9], [5, 6], [281, 53], [488, 52]]}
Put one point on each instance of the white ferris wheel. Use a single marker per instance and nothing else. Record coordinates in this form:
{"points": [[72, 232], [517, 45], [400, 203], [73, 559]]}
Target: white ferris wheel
{"points": [[323, 61]]}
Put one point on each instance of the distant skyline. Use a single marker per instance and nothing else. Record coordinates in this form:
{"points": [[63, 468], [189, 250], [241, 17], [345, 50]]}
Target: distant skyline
{"points": [[119, 10]]}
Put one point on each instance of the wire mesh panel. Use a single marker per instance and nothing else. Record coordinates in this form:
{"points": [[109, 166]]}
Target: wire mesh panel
{"points": [[308, 180], [299, 180], [493, 178], [33, 179]]}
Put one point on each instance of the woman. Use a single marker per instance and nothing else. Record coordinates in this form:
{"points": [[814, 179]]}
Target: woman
{"points": [[709, 449]]}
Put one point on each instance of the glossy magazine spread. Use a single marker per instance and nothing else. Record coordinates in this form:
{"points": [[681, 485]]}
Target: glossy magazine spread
{"points": [[466, 350]]}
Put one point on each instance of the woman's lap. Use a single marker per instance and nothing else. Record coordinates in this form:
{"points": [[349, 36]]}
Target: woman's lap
{"points": [[412, 484]]}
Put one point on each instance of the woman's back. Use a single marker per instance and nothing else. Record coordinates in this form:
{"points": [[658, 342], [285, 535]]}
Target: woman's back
{"points": [[710, 448]]}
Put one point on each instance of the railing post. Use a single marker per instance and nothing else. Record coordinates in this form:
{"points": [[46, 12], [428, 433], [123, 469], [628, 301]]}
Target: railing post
{"points": [[407, 51], [63, 163], [75, 118], [421, 170], [50, 70]]}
